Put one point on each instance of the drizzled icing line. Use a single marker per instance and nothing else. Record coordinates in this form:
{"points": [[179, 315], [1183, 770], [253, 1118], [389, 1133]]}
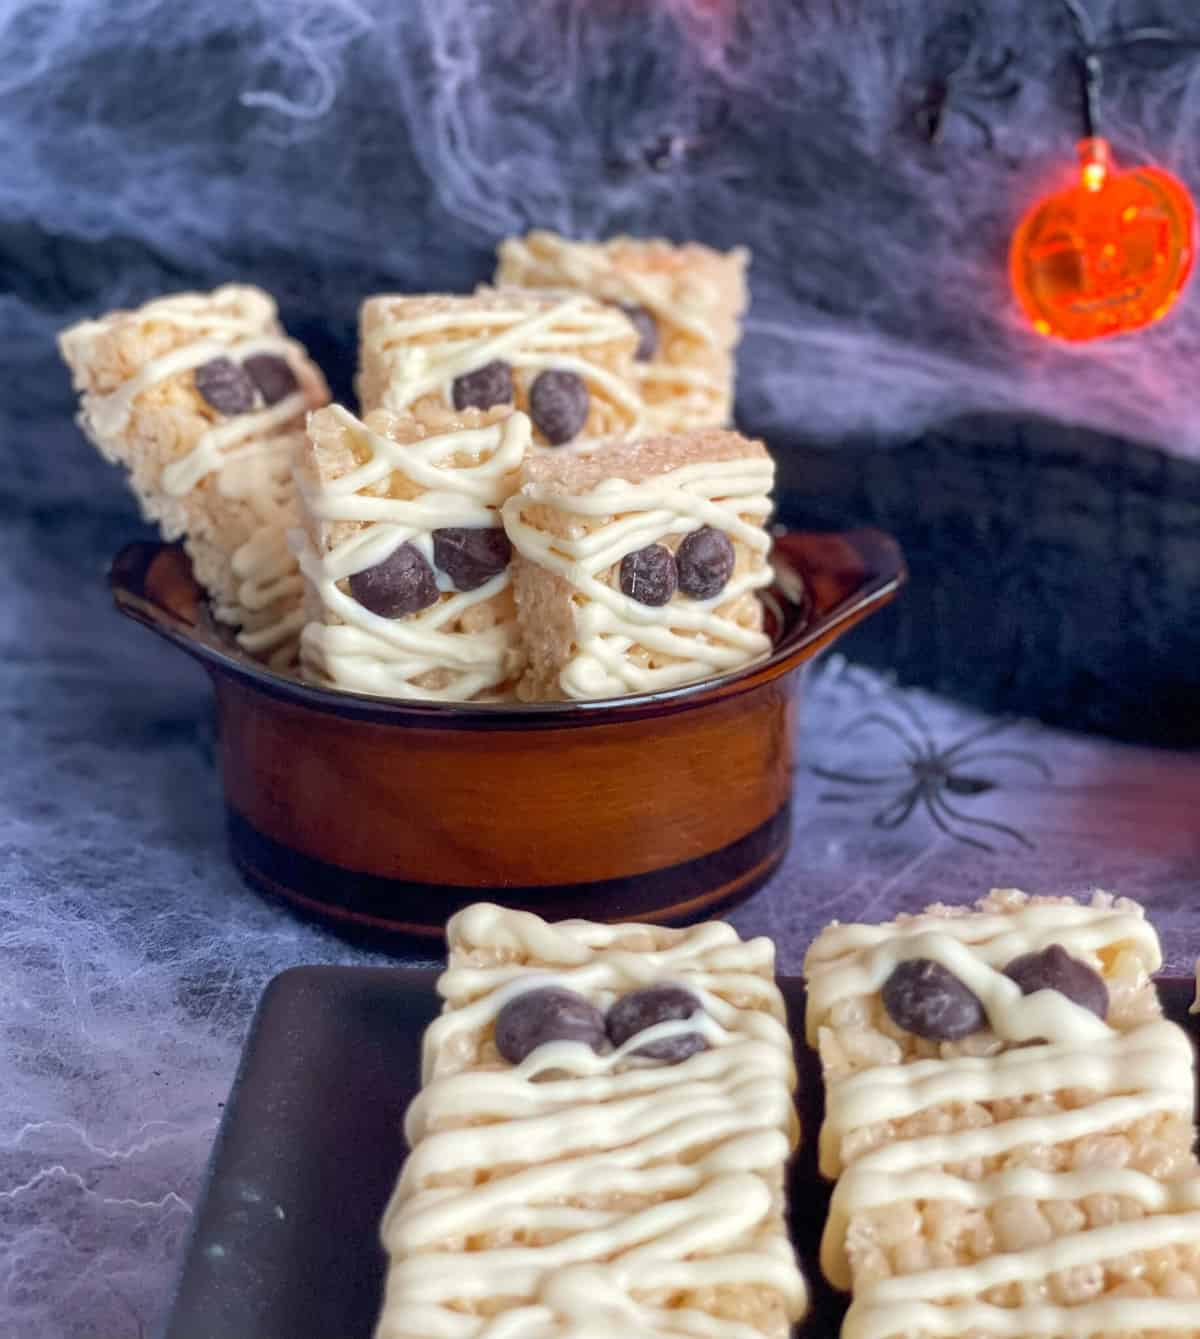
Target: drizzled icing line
{"points": [[249, 453], [584, 1148], [1132, 1316], [730, 495], [1129, 1075], [587, 267], [1148, 1059], [900, 1170], [847, 967], [529, 341], [876, 1315], [679, 396], [373, 654]]}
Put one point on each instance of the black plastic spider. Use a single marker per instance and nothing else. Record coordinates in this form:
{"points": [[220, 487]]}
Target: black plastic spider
{"points": [[957, 88], [931, 773]]}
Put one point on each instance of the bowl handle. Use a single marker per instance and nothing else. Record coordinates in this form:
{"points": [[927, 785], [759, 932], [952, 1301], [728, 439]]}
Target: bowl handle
{"points": [[152, 583], [842, 577]]}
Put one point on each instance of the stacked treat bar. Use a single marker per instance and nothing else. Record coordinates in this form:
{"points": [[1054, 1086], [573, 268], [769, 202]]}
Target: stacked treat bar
{"points": [[202, 398], [685, 302], [599, 1145], [1009, 1120], [638, 564], [540, 500]]}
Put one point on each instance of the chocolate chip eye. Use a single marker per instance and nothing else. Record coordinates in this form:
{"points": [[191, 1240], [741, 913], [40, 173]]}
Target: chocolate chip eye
{"points": [[471, 555], [272, 375], [647, 328], [403, 583], [642, 1009], [558, 405], [648, 575], [926, 999], [705, 560], [225, 386], [484, 388], [550, 1013], [1053, 968]]}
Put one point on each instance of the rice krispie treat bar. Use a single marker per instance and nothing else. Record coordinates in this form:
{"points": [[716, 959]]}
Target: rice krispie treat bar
{"points": [[1009, 1119], [600, 1142], [686, 302], [202, 398], [637, 564], [563, 359], [405, 563]]}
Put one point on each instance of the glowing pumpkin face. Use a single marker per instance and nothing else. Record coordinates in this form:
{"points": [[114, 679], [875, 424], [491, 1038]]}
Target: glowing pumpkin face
{"points": [[1107, 255]]}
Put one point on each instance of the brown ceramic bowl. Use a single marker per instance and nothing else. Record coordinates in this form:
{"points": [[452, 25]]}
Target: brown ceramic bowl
{"points": [[388, 816]]}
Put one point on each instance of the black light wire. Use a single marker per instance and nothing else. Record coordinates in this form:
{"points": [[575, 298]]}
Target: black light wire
{"points": [[1090, 65], [1091, 50]]}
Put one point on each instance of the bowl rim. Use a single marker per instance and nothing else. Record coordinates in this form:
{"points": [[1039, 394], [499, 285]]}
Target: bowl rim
{"points": [[884, 573]]}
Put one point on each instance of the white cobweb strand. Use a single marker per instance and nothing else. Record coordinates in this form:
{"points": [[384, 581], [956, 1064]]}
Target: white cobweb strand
{"points": [[414, 136], [132, 957], [125, 1028]]}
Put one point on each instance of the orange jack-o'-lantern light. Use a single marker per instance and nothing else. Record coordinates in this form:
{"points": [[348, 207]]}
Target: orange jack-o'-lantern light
{"points": [[1109, 254]]}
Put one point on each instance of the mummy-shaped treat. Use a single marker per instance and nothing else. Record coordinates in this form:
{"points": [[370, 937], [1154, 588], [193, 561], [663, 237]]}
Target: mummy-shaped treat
{"points": [[686, 302], [563, 359], [599, 1145], [1009, 1119], [404, 559], [202, 398], [637, 565]]}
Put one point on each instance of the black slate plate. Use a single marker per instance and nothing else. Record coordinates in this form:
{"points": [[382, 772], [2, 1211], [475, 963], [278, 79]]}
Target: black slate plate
{"points": [[284, 1244]]}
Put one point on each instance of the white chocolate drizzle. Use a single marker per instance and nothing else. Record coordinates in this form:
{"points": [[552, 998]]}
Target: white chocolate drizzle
{"points": [[696, 398], [1059, 1046], [249, 454], [584, 1150], [730, 495], [530, 342], [371, 654]]}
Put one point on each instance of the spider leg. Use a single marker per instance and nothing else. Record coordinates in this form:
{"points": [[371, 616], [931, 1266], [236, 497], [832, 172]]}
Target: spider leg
{"points": [[974, 736], [827, 774], [989, 823], [928, 120], [877, 718], [989, 138], [896, 811], [931, 804], [913, 716], [1005, 92], [1016, 755], [989, 72]]}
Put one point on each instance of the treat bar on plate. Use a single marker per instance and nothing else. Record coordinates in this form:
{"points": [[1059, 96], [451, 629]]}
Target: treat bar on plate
{"points": [[563, 359], [686, 302], [599, 1144], [637, 564], [202, 398], [405, 563], [1009, 1119]]}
